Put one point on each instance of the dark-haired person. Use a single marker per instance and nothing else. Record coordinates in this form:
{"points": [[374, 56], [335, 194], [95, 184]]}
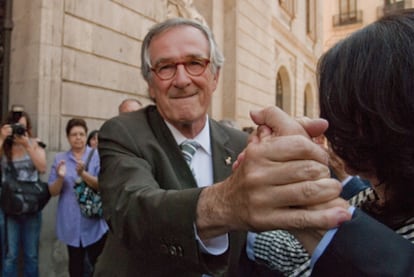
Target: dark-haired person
{"points": [[366, 88], [82, 235], [92, 140], [29, 159]]}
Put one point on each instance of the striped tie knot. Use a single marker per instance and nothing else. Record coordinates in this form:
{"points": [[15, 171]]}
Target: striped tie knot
{"points": [[188, 149]]}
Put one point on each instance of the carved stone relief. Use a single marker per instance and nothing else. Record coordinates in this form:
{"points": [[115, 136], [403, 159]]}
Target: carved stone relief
{"points": [[184, 8]]}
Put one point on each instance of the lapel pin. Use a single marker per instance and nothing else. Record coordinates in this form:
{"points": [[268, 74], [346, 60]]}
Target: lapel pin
{"points": [[228, 161]]}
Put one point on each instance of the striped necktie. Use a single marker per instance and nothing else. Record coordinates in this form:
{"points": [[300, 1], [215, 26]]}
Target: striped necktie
{"points": [[188, 149]]}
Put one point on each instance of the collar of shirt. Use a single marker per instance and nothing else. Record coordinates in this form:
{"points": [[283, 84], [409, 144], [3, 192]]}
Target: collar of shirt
{"points": [[203, 138]]}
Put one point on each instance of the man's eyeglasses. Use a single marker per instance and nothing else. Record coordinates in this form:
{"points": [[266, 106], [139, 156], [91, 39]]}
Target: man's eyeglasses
{"points": [[193, 66]]}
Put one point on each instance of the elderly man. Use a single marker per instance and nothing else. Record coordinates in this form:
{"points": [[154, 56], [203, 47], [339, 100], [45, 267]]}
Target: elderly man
{"points": [[174, 205]]}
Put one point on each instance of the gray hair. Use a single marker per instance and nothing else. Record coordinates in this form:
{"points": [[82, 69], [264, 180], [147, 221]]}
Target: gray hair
{"points": [[216, 56]]}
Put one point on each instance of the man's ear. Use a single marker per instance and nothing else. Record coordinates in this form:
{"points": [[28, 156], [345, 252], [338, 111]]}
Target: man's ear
{"points": [[151, 93], [216, 77]]}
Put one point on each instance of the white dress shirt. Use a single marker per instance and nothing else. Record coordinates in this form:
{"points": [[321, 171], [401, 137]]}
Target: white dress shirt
{"points": [[202, 167]]}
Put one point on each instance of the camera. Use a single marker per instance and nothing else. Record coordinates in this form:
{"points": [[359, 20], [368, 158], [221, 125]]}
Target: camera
{"points": [[18, 129]]}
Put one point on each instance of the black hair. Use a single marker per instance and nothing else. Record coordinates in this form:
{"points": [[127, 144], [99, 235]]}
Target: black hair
{"points": [[90, 136], [366, 88]]}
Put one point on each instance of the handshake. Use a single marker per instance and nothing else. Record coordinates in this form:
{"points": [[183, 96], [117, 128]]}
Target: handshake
{"points": [[280, 181]]}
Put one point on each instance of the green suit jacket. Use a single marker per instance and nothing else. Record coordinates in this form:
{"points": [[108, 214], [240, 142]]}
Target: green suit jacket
{"points": [[150, 197]]}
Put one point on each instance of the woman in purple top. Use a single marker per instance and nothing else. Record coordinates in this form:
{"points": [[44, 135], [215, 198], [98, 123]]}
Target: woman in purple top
{"points": [[82, 235]]}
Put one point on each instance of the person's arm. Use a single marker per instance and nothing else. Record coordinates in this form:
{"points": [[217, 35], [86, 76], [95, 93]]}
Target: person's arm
{"points": [[90, 180], [350, 251], [37, 154], [90, 175], [264, 192], [146, 206], [5, 131], [56, 176], [144, 200], [279, 251], [280, 170]]}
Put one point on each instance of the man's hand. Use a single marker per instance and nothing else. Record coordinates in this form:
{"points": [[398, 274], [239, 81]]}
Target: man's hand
{"points": [[272, 121], [80, 167], [280, 123], [280, 171]]}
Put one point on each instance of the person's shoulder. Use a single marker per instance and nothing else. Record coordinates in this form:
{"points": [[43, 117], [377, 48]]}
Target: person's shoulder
{"points": [[125, 120], [95, 152], [229, 130], [235, 135], [132, 116], [132, 127]]}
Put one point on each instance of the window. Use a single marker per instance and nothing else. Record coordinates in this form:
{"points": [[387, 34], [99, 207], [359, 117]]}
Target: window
{"points": [[279, 91], [310, 19], [390, 2], [347, 7], [393, 5], [307, 101], [347, 10], [288, 6], [348, 13]]}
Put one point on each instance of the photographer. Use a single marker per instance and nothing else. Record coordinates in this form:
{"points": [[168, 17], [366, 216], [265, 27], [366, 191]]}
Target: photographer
{"points": [[20, 149]]}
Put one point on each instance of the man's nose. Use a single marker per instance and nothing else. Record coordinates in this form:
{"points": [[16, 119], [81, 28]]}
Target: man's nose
{"points": [[181, 78]]}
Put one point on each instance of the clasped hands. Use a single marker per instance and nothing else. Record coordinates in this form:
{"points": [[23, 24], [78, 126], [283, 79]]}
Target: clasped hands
{"points": [[80, 167], [280, 181]]}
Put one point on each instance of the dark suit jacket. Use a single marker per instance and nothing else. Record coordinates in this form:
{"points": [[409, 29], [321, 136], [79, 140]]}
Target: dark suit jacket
{"points": [[353, 187], [150, 197], [365, 247]]}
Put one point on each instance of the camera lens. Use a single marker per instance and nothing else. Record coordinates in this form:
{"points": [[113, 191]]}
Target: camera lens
{"points": [[18, 129]]}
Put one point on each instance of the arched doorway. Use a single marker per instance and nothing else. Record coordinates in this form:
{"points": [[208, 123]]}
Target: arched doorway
{"points": [[308, 102], [283, 91]]}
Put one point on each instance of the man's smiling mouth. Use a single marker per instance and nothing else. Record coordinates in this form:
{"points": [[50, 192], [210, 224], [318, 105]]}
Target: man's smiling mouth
{"points": [[180, 96]]}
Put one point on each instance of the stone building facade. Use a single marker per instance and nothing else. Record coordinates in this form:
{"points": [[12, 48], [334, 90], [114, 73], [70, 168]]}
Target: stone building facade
{"points": [[341, 18], [81, 58]]}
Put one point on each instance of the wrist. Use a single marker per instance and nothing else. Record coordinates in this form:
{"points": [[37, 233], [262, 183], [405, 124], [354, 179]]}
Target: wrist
{"points": [[28, 146], [81, 173], [308, 238], [342, 177], [211, 219]]}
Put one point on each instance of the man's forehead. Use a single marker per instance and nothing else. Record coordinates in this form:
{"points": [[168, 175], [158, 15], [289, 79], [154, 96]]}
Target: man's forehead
{"points": [[179, 42], [179, 28]]}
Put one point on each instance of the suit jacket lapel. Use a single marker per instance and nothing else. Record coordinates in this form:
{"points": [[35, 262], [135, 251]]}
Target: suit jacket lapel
{"points": [[223, 155], [170, 147]]}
